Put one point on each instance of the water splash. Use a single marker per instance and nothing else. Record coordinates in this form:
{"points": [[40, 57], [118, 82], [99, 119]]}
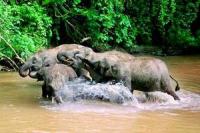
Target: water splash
{"points": [[81, 90], [82, 96], [160, 101]]}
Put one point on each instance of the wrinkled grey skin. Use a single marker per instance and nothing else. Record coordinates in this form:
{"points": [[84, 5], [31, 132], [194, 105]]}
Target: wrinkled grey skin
{"points": [[55, 77], [138, 73], [42, 59]]}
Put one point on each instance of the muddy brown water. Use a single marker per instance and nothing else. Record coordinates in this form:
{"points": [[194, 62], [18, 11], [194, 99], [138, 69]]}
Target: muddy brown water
{"points": [[21, 110]]}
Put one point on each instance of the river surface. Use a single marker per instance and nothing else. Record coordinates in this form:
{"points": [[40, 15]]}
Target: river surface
{"points": [[22, 110]]}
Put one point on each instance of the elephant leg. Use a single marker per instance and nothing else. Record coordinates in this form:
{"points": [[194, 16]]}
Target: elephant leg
{"points": [[167, 88], [49, 92], [173, 94], [132, 89], [146, 95], [127, 83], [44, 91]]}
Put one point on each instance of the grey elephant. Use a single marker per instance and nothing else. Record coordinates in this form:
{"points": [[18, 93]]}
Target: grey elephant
{"points": [[141, 73], [138, 73], [55, 78], [46, 58]]}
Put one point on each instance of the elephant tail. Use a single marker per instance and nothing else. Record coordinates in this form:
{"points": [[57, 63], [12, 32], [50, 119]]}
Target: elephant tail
{"points": [[177, 84]]}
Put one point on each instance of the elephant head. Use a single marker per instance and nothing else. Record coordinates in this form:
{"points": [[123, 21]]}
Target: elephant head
{"points": [[31, 67], [36, 62], [70, 57]]}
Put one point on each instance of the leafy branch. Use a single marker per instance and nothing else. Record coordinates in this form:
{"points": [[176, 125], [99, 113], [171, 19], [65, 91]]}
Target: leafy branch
{"points": [[17, 56]]}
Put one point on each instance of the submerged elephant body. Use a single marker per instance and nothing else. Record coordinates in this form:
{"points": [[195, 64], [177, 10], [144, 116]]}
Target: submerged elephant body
{"points": [[55, 77]]}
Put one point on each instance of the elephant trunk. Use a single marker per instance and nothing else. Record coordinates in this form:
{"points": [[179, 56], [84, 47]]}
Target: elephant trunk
{"points": [[24, 70], [61, 57]]}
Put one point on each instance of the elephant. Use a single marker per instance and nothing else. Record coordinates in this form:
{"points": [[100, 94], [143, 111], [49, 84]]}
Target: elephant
{"points": [[47, 58], [55, 78], [138, 73]]}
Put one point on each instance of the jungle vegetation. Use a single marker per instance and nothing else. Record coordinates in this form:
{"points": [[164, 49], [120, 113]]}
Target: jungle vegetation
{"points": [[27, 26]]}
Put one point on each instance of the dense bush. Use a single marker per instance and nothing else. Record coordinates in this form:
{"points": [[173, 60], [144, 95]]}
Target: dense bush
{"points": [[126, 24], [180, 33], [24, 28], [103, 21]]}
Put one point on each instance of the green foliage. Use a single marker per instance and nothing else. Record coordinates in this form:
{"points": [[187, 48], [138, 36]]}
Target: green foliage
{"points": [[110, 25], [181, 38], [25, 24], [45, 2], [139, 10], [125, 24], [25, 27], [180, 33], [103, 21], [167, 10]]}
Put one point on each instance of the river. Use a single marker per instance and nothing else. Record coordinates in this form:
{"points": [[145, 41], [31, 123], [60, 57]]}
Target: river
{"points": [[22, 110]]}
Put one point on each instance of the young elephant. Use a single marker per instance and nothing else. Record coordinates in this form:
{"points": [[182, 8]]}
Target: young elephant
{"points": [[44, 58], [55, 77], [139, 73]]}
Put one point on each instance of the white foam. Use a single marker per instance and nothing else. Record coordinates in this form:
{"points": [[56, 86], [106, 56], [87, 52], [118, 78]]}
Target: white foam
{"points": [[81, 96]]}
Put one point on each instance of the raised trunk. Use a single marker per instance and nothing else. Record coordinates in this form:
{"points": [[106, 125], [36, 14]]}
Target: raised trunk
{"points": [[61, 57]]}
